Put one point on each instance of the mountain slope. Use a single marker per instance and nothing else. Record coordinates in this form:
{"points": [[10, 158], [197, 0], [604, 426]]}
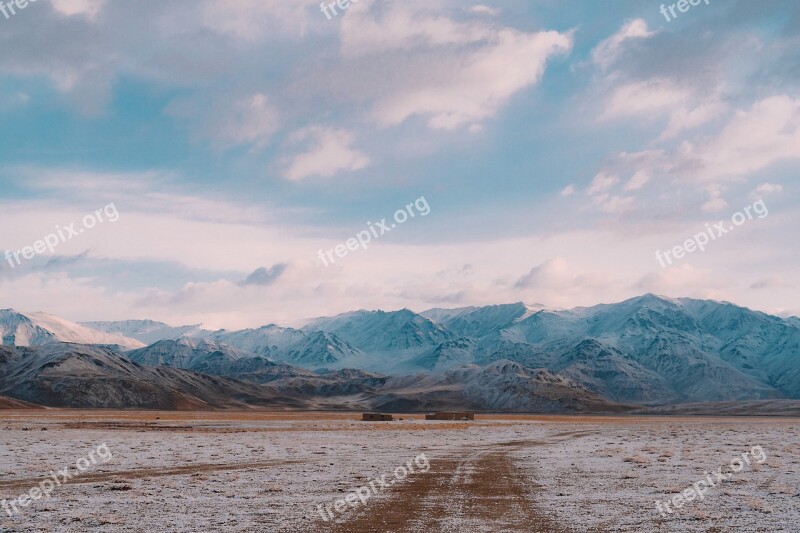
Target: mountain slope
{"points": [[502, 386], [33, 329], [649, 349], [661, 349], [183, 353], [146, 331], [74, 375], [379, 331]]}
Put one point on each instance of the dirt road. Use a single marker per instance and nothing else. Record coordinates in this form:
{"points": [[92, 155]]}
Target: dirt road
{"points": [[480, 491]]}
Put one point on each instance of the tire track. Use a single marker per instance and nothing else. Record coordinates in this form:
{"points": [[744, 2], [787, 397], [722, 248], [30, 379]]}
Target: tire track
{"points": [[143, 473], [482, 491]]}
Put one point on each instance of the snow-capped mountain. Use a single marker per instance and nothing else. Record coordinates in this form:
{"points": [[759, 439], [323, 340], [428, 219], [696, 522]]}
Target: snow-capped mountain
{"points": [[665, 349], [146, 331], [318, 349], [501, 386], [648, 350], [183, 353], [305, 349], [33, 329], [379, 331], [265, 340], [313, 349], [478, 322]]}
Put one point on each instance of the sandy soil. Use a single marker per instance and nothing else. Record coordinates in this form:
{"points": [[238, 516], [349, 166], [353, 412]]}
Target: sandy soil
{"points": [[258, 471]]}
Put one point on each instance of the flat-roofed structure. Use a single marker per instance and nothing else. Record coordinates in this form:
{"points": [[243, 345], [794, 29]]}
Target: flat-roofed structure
{"points": [[450, 415], [376, 417]]}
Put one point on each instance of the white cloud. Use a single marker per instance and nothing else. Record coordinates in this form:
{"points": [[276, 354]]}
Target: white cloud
{"points": [[685, 118], [556, 280], [371, 28], [766, 188], [616, 205], [681, 280], [656, 98], [602, 182], [450, 73], [715, 202], [479, 85], [254, 20], [638, 180], [751, 141], [329, 154], [251, 120], [484, 10], [88, 9], [649, 98], [569, 190], [608, 50], [230, 121]]}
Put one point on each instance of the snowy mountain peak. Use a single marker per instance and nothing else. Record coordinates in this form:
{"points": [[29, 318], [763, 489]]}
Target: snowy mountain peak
{"points": [[33, 329]]}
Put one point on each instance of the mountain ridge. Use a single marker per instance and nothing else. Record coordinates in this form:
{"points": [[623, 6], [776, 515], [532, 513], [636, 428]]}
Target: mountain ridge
{"points": [[646, 350]]}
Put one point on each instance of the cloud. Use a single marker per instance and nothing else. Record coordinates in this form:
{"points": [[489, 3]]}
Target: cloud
{"points": [[251, 21], [602, 182], [88, 9], [477, 85], [557, 273], [715, 203], [450, 73], [60, 261], [649, 98], [244, 120], [638, 180], [752, 140], [569, 190], [608, 50], [680, 280], [660, 97], [744, 146], [772, 282], [616, 205], [685, 118], [329, 154], [373, 28], [265, 276], [766, 188], [484, 10], [151, 191]]}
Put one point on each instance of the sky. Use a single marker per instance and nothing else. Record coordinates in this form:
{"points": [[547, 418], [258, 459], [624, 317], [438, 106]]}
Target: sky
{"points": [[215, 161]]}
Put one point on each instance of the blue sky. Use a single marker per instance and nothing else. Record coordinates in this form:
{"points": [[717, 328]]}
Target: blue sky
{"points": [[558, 144]]}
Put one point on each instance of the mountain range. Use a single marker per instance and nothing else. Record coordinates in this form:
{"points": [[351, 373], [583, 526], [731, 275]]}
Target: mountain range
{"points": [[646, 351]]}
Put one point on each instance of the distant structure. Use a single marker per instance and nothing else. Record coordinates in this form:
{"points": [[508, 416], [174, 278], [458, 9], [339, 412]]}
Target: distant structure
{"points": [[450, 415], [376, 417]]}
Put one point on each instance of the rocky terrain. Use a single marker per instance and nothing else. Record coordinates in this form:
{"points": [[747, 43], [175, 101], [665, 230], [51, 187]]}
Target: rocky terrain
{"points": [[647, 351]]}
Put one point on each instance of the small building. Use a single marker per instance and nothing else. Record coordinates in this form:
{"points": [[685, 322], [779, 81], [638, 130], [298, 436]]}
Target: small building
{"points": [[376, 417], [450, 415]]}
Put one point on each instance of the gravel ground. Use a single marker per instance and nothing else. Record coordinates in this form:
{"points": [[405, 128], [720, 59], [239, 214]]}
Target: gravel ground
{"points": [[228, 472]]}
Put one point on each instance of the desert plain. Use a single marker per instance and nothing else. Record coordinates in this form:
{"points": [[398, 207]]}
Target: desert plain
{"points": [[279, 471]]}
